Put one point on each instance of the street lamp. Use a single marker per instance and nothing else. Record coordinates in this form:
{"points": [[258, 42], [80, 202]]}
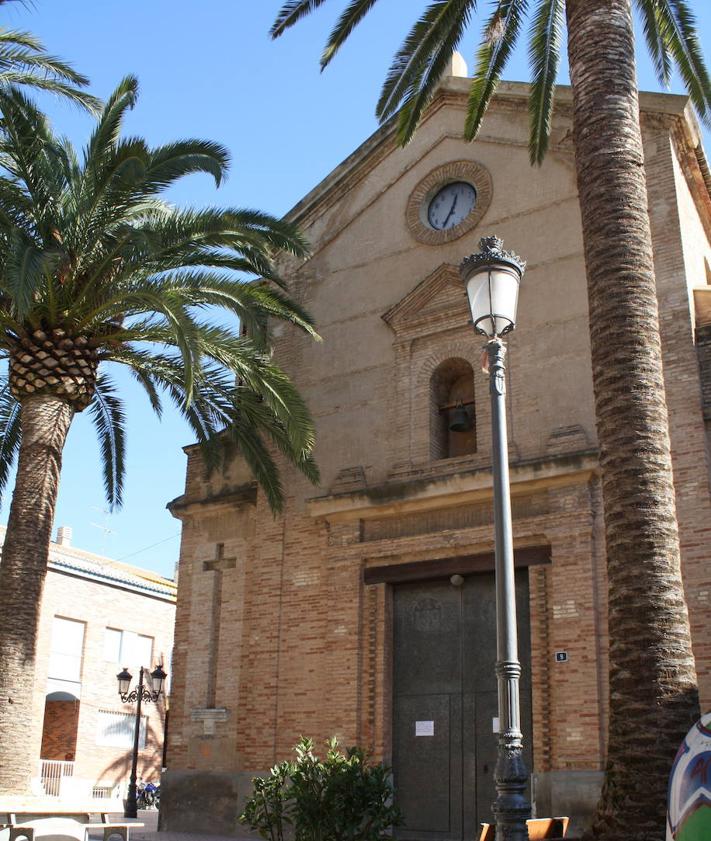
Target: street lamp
{"points": [[492, 278], [137, 696]]}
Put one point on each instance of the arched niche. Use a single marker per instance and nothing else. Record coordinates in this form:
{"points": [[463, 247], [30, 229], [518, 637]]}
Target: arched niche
{"points": [[452, 396]]}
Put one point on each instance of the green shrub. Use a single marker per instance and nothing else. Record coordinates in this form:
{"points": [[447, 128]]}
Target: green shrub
{"points": [[343, 797]]}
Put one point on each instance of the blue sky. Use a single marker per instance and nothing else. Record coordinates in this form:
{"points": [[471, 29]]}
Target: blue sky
{"points": [[209, 70]]}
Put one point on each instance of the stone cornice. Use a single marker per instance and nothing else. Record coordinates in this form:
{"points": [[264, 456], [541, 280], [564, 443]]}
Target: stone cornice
{"points": [[185, 506], [397, 498], [692, 159]]}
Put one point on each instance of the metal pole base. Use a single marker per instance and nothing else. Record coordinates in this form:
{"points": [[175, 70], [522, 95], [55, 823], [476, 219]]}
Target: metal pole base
{"points": [[131, 810], [511, 807]]}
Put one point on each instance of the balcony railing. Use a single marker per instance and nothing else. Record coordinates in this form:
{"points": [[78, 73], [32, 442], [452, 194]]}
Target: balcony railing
{"points": [[51, 772]]}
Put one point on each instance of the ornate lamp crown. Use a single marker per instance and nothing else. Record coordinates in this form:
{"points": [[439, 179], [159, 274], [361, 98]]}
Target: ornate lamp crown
{"points": [[492, 251]]}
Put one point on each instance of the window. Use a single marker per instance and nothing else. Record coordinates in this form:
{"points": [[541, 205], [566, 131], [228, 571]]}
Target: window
{"points": [[452, 399], [116, 729], [112, 645], [126, 648], [65, 656]]}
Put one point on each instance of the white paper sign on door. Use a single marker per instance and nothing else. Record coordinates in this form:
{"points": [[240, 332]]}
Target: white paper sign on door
{"points": [[424, 728]]}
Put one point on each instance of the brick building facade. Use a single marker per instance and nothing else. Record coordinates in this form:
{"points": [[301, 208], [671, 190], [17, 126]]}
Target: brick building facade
{"points": [[365, 610], [97, 616]]}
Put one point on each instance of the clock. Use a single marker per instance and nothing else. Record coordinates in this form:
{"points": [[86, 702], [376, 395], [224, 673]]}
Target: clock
{"points": [[448, 201], [450, 205]]}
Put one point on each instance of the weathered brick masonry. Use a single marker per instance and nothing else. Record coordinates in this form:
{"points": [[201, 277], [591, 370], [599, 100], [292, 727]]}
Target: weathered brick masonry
{"points": [[284, 625]]}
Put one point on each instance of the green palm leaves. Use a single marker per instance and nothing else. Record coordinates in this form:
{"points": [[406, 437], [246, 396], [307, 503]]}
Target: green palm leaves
{"points": [[670, 32], [544, 56], [98, 269], [25, 63], [500, 35], [416, 69]]}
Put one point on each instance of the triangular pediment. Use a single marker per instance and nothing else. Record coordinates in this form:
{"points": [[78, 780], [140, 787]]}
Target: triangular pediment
{"points": [[439, 301]]}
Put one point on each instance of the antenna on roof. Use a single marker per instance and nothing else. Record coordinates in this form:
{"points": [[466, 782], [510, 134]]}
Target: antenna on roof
{"points": [[103, 527]]}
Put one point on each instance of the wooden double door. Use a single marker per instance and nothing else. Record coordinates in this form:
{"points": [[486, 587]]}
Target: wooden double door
{"points": [[445, 703]]}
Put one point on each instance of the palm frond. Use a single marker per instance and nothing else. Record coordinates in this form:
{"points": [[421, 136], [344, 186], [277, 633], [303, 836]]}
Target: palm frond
{"points": [[498, 41], [106, 134], [10, 434], [544, 55], [264, 404], [654, 27], [25, 62], [252, 415], [23, 48], [15, 207], [25, 267], [144, 378], [209, 410], [677, 25], [420, 62], [292, 12], [258, 374], [32, 148], [183, 330], [26, 79], [108, 414], [250, 445], [352, 15], [173, 161]]}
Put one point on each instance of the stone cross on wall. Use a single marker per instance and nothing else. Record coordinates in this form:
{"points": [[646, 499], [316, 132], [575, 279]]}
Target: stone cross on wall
{"points": [[216, 566]]}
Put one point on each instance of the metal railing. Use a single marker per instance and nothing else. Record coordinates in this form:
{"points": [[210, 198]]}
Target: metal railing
{"points": [[51, 772]]}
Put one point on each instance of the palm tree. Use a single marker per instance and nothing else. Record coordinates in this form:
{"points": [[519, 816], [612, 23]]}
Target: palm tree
{"points": [[653, 695], [96, 268]]}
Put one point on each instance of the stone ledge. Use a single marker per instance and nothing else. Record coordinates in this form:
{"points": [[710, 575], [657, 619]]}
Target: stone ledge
{"points": [[183, 506], [403, 497]]}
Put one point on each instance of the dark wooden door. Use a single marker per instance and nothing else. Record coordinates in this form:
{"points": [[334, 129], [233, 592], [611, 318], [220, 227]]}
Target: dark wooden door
{"points": [[445, 703]]}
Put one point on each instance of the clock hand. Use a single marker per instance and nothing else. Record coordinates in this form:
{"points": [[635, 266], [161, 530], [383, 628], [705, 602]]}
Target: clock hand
{"points": [[451, 210]]}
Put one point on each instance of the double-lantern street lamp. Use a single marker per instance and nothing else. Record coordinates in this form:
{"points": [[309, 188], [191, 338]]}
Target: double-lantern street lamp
{"points": [[492, 278], [137, 696]]}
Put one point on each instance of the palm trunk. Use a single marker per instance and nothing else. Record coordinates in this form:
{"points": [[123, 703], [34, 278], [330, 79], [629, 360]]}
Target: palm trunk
{"points": [[45, 424], [653, 694]]}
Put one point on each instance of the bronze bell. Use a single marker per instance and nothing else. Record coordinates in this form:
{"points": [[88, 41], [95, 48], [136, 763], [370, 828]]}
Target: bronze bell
{"points": [[461, 421]]}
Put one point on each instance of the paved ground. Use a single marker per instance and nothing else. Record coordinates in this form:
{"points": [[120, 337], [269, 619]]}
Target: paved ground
{"points": [[150, 831]]}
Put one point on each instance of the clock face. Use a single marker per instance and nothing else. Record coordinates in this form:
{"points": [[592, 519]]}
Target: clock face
{"points": [[451, 205]]}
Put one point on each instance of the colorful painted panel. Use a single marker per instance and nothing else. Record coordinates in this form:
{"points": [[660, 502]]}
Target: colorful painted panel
{"points": [[689, 801]]}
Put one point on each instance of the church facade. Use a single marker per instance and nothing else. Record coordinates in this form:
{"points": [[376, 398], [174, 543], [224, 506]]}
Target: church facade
{"points": [[366, 610]]}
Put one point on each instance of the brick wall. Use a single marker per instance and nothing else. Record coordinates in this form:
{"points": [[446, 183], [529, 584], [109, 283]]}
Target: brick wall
{"points": [[304, 644], [703, 349]]}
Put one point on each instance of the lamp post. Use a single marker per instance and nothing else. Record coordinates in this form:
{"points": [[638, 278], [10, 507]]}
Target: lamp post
{"points": [[492, 278], [137, 696]]}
